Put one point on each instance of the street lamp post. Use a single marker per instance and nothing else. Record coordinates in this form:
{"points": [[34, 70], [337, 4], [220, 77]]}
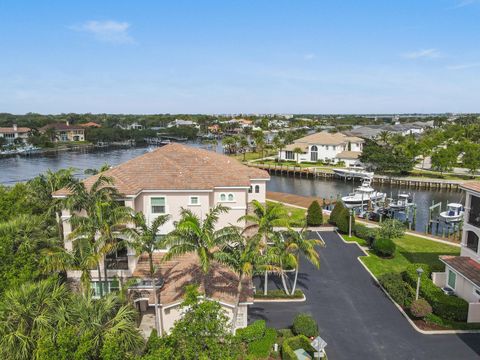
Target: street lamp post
{"points": [[419, 273], [350, 224]]}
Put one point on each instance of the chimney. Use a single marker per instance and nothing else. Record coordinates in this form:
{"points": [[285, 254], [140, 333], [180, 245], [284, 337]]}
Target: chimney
{"points": [[68, 123], [15, 127]]}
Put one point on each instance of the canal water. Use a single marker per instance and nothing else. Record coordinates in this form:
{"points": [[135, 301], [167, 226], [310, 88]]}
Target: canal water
{"points": [[22, 168]]}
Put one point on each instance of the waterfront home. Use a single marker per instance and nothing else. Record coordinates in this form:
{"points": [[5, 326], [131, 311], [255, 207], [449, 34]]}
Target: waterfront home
{"points": [[180, 122], [326, 147], [462, 273], [163, 182], [10, 134], [133, 126], [64, 132]]}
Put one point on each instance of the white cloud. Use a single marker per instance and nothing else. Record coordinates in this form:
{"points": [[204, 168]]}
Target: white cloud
{"points": [[463, 66], [422, 54], [309, 56], [463, 3], [107, 31]]}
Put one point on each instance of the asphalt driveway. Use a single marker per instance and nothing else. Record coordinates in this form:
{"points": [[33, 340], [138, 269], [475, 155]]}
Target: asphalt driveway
{"points": [[355, 317]]}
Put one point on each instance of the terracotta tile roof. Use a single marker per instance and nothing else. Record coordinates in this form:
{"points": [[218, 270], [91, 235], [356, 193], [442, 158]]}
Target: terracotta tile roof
{"points": [[90, 124], [10, 130], [221, 283], [178, 167], [291, 147], [349, 155], [326, 138], [61, 127], [464, 265], [471, 185]]}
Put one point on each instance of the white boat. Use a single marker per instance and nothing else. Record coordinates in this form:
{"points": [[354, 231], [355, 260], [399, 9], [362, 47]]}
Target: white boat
{"points": [[353, 173], [401, 203], [362, 195], [454, 213]]}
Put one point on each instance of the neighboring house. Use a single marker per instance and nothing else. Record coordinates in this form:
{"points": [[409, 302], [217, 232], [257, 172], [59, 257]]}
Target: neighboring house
{"points": [[372, 131], [64, 132], [90, 124], [180, 122], [214, 129], [133, 126], [163, 182], [462, 273], [10, 134], [324, 146]]}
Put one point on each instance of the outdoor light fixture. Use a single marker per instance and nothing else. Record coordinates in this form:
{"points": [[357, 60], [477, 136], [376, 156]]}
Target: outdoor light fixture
{"points": [[419, 273]]}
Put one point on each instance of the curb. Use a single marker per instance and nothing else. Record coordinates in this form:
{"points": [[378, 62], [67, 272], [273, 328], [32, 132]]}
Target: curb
{"points": [[425, 332], [279, 300]]}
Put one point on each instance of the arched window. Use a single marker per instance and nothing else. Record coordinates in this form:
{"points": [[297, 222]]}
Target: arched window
{"points": [[230, 197], [257, 189], [472, 241], [313, 153], [223, 197]]}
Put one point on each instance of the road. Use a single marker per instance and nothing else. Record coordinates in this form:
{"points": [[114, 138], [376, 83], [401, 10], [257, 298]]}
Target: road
{"points": [[355, 317]]}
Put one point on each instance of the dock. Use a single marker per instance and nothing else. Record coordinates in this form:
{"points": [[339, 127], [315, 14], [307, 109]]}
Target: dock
{"points": [[319, 173]]}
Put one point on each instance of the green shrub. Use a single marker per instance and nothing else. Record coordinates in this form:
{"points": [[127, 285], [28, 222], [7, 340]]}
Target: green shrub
{"points": [[365, 233], [252, 332], [314, 214], [283, 334], [294, 343], [420, 308], [447, 307], [304, 324], [343, 221], [279, 294], [398, 289], [337, 209], [261, 348], [384, 247]]}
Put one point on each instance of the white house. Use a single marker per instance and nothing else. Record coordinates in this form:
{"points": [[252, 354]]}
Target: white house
{"points": [[10, 134], [324, 146], [165, 181], [180, 122], [462, 273]]}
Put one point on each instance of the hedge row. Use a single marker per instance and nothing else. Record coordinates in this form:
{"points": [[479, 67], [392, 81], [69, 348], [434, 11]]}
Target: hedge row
{"points": [[365, 233], [447, 307], [279, 294], [261, 348], [401, 292], [294, 343], [252, 332]]}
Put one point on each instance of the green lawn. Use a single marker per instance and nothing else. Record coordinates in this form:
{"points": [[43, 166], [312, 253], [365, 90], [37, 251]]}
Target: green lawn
{"points": [[252, 155], [295, 216], [410, 249]]}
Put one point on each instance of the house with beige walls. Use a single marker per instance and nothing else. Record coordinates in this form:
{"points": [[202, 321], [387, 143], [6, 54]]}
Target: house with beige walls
{"points": [[324, 146], [462, 273], [165, 181], [64, 132], [11, 134]]}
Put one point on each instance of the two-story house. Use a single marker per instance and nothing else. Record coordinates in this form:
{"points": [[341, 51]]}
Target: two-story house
{"points": [[163, 182], [462, 273], [10, 134], [63, 132], [324, 146]]}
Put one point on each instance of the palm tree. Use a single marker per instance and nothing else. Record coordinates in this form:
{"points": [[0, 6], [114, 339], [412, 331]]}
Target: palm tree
{"points": [[192, 235], [144, 239], [297, 151], [42, 188], [262, 221], [243, 145], [278, 143], [102, 169], [297, 243], [384, 137]]}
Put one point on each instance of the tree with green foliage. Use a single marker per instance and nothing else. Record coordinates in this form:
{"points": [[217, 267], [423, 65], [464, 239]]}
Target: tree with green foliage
{"points": [[444, 159], [344, 220], [386, 158], [203, 332], [314, 214], [337, 210], [471, 156], [297, 151], [391, 229]]}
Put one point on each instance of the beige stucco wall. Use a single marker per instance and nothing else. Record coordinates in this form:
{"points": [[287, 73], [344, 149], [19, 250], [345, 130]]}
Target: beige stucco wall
{"points": [[261, 196], [439, 278], [473, 312], [464, 288]]}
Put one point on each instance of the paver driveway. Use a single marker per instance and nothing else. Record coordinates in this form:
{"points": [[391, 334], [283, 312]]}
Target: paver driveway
{"points": [[355, 317]]}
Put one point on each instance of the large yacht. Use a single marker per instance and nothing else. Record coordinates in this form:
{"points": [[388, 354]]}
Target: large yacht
{"points": [[353, 172], [362, 195]]}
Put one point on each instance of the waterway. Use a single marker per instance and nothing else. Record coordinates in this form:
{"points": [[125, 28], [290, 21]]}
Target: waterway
{"points": [[22, 168]]}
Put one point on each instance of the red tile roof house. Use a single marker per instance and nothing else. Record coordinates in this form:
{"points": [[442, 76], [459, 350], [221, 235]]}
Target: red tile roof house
{"points": [[462, 273], [14, 132], [163, 182], [65, 132]]}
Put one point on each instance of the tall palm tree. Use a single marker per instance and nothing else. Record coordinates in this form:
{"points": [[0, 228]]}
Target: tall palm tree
{"points": [[296, 244], [144, 239], [102, 169], [262, 221], [384, 137], [193, 235], [297, 151], [43, 186]]}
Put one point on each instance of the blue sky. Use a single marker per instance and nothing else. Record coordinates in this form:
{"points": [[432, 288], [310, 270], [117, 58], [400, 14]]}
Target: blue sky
{"points": [[230, 56]]}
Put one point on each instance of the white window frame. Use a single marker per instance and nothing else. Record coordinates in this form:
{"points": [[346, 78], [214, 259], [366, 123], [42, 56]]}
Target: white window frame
{"points": [[289, 155], [191, 203], [165, 205], [455, 279], [227, 197]]}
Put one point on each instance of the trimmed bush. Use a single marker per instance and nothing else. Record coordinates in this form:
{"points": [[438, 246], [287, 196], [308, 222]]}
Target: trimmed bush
{"points": [[252, 332], [337, 209], [398, 289], [314, 214], [384, 247], [261, 348], [365, 233], [447, 307], [279, 294], [420, 308], [304, 324], [343, 221], [294, 343]]}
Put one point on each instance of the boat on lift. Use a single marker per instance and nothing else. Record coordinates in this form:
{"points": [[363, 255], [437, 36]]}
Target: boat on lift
{"points": [[362, 195], [354, 172], [453, 214], [402, 202]]}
